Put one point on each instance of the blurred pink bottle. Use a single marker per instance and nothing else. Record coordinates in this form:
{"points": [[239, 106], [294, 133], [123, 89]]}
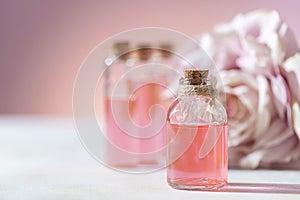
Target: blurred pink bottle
{"points": [[149, 83], [151, 131], [135, 109], [121, 142], [122, 146]]}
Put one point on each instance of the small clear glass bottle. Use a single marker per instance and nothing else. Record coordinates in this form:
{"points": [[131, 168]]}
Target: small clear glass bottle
{"points": [[197, 136]]}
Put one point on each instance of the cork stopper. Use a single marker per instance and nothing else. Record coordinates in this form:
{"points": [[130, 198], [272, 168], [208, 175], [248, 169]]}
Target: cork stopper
{"points": [[166, 50], [195, 82], [144, 51], [121, 48], [195, 76]]}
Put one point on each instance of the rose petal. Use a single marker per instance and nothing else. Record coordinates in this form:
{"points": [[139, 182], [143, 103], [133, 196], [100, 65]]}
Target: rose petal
{"points": [[241, 132], [222, 46], [288, 40], [269, 155], [281, 95], [291, 71], [296, 118], [255, 57], [264, 104], [267, 139], [256, 23], [242, 96], [277, 49], [252, 160], [235, 77], [280, 153]]}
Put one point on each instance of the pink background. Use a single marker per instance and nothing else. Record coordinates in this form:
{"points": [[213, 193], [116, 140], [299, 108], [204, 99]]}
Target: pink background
{"points": [[43, 43]]}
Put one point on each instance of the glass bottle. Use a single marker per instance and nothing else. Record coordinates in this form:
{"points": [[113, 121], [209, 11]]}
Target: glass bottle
{"points": [[197, 135], [122, 146], [145, 92]]}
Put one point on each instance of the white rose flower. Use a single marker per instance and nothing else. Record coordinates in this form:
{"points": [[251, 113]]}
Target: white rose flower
{"points": [[259, 61]]}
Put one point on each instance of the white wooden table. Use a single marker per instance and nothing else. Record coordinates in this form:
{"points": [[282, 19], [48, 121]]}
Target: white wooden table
{"points": [[42, 158]]}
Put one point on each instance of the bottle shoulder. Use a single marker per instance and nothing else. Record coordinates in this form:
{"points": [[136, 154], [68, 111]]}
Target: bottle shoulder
{"points": [[195, 110]]}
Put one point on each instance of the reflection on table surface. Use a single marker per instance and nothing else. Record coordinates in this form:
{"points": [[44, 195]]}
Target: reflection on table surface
{"points": [[261, 188]]}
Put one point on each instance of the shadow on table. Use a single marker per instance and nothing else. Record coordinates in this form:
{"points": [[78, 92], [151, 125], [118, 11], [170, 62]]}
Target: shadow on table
{"points": [[261, 188]]}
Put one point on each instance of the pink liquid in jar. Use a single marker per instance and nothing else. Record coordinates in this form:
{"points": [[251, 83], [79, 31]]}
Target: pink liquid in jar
{"points": [[201, 165]]}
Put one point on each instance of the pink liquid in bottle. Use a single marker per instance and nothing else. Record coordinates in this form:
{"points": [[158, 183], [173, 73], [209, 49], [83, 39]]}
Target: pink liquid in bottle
{"points": [[151, 132], [197, 135], [122, 146], [203, 164]]}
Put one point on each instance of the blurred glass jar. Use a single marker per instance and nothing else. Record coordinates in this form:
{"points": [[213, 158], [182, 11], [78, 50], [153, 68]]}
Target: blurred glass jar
{"points": [[136, 103]]}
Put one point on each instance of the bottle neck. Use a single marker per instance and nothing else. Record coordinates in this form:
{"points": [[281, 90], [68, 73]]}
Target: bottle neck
{"points": [[186, 89]]}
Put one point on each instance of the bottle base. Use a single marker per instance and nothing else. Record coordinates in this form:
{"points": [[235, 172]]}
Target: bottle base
{"points": [[197, 184]]}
